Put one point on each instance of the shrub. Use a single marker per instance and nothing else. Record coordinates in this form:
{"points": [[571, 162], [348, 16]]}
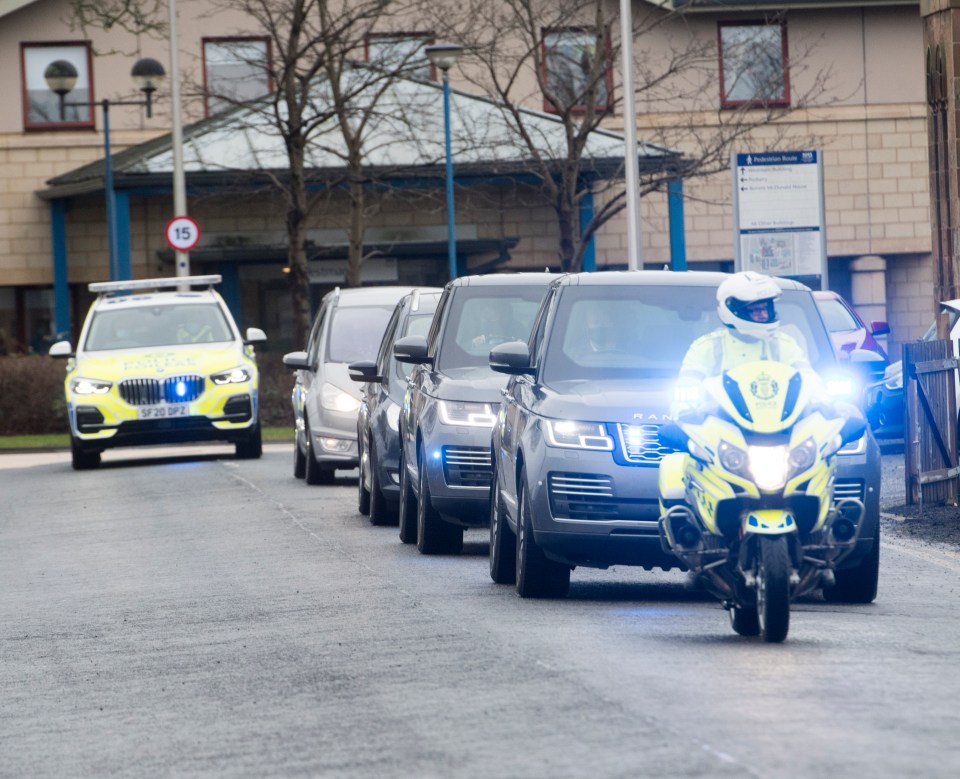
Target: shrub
{"points": [[31, 395], [32, 400]]}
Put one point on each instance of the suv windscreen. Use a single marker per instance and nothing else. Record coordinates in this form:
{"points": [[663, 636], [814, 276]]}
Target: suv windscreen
{"points": [[482, 317], [356, 332], [645, 331], [837, 316], [145, 327]]}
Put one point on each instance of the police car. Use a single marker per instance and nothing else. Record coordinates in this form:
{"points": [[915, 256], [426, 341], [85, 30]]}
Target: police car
{"points": [[160, 361]]}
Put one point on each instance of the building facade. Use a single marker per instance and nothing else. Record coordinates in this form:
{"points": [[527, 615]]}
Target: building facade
{"points": [[857, 69]]}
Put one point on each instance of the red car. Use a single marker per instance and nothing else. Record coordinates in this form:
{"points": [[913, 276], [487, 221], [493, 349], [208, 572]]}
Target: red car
{"points": [[847, 329]]}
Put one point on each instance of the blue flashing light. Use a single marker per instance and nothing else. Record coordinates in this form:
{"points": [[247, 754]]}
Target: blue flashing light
{"points": [[181, 389]]}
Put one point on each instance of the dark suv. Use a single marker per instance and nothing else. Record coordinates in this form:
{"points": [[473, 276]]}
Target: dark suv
{"points": [[576, 445], [384, 383], [451, 402]]}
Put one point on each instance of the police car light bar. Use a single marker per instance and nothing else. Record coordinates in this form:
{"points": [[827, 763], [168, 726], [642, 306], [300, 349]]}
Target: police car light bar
{"points": [[170, 281]]}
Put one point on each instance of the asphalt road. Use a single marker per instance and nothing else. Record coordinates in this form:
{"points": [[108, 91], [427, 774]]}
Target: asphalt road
{"points": [[200, 615]]}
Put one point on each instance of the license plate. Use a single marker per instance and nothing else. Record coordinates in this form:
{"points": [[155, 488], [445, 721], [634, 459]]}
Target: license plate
{"points": [[164, 411]]}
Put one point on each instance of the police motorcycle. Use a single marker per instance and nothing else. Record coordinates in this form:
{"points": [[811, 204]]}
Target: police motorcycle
{"points": [[747, 500]]}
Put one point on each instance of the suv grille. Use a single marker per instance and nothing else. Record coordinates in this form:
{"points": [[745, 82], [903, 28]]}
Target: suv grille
{"points": [[174, 389], [467, 466], [641, 444], [582, 496], [848, 488]]}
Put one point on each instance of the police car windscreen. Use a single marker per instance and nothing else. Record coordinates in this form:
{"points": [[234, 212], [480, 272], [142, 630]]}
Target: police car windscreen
{"points": [[146, 327]]}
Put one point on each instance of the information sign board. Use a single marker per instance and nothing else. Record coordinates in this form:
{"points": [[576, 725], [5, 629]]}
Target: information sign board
{"points": [[779, 214]]}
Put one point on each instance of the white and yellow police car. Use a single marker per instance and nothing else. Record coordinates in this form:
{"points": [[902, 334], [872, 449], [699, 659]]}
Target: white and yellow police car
{"points": [[160, 361]]}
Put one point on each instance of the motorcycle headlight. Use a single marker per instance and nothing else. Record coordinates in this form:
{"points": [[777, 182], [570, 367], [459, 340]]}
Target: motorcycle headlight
{"points": [[802, 456], [578, 435], [82, 386], [335, 399], [732, 458], [453, 412], [768, 466], [234, 376]]}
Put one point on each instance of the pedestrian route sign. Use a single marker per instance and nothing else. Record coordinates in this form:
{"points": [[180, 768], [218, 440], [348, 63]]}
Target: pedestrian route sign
{"points": [[779, 214]]}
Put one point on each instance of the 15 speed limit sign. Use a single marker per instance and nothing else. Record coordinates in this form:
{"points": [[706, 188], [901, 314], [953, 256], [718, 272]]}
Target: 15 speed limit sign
{"points": [[183, 233]]}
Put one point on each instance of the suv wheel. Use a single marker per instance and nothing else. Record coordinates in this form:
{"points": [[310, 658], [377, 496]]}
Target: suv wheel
{"points": [[363, 494], [408, 505], [434, 535], [859, 584], [503, 543], [299, 461], [83, 459], [537, 575], [381, 513], [251, 447]]}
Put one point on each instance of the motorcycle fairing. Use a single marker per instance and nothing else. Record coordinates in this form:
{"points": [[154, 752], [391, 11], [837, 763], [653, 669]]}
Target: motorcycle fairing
{"points": [[772, 522]]}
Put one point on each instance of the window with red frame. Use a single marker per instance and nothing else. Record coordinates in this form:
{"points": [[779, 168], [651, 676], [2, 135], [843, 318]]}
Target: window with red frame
{"points": [[44, 109], [401, 51], [753, 64], [235, 70], [572, 75]]}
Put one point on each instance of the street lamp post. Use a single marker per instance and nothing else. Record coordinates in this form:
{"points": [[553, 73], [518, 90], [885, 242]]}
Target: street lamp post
{"points": [[444, 56], [147, 74]]}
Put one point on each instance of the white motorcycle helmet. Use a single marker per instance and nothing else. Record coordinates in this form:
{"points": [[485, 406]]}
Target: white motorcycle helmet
{"points": [[743, 289]]}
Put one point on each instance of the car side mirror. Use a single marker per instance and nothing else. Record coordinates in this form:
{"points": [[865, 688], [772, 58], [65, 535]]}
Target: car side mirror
{"points": [[853, 429], [297, 361], [512, 358], [867, 362], [255, 336], [364, 371], [412, 349], [61, 349], [879, 328]]}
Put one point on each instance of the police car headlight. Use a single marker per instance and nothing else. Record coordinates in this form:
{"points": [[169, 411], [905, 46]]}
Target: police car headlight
{"points": [[454, 412], [335, 399], [80, 386], [233, 376], [578, 435]]}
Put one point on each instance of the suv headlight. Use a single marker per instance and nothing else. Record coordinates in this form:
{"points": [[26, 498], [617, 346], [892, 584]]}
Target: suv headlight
{"points": [[335, 399], [454, 412], [233, 376], [81, 386], [578, 435]]}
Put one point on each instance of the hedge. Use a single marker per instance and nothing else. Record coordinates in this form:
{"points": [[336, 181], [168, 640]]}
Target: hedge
{"points": [[32, 400]]}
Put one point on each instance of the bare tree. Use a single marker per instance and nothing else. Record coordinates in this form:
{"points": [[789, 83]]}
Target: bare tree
{"points": [[560, 55], [319, 86]]}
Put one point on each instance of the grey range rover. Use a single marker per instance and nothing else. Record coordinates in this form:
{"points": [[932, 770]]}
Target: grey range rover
{"points": [[575, 448]]}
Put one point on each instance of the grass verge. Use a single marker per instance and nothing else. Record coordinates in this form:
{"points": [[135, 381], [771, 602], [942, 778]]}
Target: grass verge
{"points": [[62, 440]]}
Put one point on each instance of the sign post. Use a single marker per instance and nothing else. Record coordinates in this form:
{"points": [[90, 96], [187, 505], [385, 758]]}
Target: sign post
{"points": [[779, 215]]}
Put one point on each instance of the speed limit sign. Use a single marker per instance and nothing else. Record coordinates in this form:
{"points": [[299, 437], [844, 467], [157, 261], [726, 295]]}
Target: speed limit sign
{"points": [[183, 233]]}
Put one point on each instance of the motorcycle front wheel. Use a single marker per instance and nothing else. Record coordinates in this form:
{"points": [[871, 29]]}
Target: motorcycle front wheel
{"points": [[773, 588]]}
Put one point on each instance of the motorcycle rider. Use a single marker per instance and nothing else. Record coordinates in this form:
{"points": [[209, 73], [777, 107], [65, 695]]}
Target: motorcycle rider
{"points": [[751, 331]]}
